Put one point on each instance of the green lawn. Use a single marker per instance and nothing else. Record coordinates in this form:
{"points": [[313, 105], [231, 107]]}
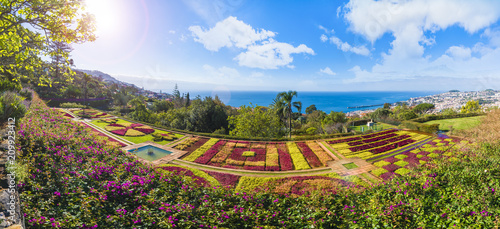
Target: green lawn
{"points": [[139, 139], [380, 126], [457, 123]]}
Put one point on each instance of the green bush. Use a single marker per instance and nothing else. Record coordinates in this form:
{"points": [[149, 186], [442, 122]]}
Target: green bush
{"points": [[11, 106], [311, 130]]}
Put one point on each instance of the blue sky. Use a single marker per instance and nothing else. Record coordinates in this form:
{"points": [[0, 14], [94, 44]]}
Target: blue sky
{"points": [[356, 45]]}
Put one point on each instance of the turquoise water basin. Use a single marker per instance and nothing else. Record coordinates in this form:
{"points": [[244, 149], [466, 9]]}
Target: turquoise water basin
{"points": [[149, 152]]}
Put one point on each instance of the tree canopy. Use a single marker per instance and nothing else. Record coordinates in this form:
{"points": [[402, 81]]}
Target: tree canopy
{"points": [[30, 29]]}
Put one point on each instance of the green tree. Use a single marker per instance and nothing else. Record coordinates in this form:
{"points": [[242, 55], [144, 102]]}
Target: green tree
{"points": [[387, 106], [285, 105], [407, 115], [470, 107], [334, 120], [29, 27], [162, 105], [254, 122], [423, 108], [310, 109], [380, 113]]}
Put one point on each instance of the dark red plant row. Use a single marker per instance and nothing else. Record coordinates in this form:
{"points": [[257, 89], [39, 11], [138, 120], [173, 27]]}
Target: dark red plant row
{"points": [[207, 156], [310, 156], [344, 140], [260, 155], [392, 146], [379, 133], [377, 144], [185, 172], [284, 157], [256, 168], [196, 145], [237, 154], [225, 179]]}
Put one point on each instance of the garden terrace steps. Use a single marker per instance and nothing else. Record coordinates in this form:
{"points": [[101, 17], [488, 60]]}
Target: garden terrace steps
{"points": [[339, 168], [126, 142], [253, 173]]}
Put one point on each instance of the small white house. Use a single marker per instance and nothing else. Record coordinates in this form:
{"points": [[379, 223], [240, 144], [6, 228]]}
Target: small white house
{"points": [[370, 123]]}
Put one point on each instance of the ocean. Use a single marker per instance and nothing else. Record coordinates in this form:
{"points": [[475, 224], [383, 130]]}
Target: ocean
{"points": [[325, 101]]}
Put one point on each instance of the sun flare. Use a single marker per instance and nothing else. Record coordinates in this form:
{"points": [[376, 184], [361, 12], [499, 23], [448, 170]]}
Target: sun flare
{"points": [[106, 14]]}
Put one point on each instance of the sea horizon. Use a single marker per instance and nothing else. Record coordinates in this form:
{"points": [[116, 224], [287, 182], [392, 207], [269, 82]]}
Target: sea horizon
{"points": [[326, 101]]}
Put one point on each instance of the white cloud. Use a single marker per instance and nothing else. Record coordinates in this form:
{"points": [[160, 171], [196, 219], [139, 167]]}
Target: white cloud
{"points": [[459, 52], [271, 55], [260, 49], [326, 30], [228, 33], [323, 38], [171, 31], [407, 21], [327, 71], [346, 47]]}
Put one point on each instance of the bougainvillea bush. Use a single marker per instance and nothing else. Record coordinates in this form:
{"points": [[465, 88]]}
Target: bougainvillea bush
{"points": [[77, 181]]}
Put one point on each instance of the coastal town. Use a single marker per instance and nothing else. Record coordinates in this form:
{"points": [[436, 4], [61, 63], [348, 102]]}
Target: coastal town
{"points": [[453, 99]]}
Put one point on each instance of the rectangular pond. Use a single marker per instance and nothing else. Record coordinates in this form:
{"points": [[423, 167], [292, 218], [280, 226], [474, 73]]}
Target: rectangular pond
{"points": [[149, 152]]}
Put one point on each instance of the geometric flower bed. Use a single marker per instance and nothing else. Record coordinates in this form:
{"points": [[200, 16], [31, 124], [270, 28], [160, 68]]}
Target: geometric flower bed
{"points": [[109, 141], [129, 129], [90, 113], [376, 145], [261, 156], [402, 163], [293, 186]]}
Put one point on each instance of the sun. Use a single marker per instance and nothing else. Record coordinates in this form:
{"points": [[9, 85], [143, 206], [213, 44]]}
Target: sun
{"points": [[107, 14]]}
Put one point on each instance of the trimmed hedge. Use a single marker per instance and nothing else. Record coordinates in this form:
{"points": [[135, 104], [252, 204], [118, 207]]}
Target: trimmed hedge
{"points": [[439, 117], [432, 128]]}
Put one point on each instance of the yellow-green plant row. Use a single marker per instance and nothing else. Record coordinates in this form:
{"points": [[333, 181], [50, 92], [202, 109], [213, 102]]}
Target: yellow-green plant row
{"points": [[272, 157], [226, 150], [197, 172], [200, 151], [298, 159], [322, 155], [248, 184]]}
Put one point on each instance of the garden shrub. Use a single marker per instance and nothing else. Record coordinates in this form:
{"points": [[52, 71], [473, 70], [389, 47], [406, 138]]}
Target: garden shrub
{"points": [[401, 163], [402, 171], [11, 106], [381, 163], [379, 171]]}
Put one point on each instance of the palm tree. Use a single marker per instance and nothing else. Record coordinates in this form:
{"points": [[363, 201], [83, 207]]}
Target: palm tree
{"points": [[283, 105]]}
